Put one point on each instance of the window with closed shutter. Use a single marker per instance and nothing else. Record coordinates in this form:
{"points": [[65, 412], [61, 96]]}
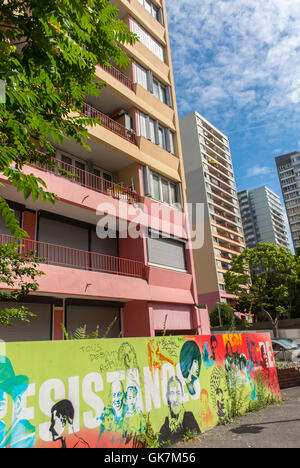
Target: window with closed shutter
{"points": [[166, 252]]}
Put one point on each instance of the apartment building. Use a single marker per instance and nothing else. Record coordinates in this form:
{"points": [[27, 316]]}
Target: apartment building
{"points": [[288, 168], [210, 181], [262, 217], [133, 176]]}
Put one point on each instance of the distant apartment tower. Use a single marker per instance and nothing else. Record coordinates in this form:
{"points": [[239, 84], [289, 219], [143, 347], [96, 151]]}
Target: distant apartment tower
{"points": [[262, 217], [288, 167], [210, 180]]}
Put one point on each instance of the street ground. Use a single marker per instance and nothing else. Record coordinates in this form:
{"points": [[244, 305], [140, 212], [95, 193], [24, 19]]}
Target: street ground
{"points": [[272, 427]]}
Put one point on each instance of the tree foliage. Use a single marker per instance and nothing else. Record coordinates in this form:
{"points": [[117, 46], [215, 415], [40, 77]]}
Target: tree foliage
{"points": [[266, 281], [222, 314], [18, 275], [49, 51]]}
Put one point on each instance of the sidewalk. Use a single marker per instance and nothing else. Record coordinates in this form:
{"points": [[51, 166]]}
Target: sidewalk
{"points": [[272, 427]]}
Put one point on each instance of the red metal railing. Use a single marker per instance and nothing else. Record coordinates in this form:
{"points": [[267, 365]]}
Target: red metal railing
{"points": [[74, 258], [119, 76], [89, 180], [109, 123]]}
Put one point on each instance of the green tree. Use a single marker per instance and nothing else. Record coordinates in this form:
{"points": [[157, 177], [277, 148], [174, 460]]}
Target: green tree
{"points": [[222, 314], [49, 51], [266, 282]]}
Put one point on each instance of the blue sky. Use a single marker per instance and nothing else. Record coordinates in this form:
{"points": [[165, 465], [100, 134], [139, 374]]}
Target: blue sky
{"points": [[237, 62]]}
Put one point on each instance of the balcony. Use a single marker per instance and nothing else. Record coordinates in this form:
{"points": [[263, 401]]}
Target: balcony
{"points": [[52, 254], [89, 180], [110, 124], [118, 75]]}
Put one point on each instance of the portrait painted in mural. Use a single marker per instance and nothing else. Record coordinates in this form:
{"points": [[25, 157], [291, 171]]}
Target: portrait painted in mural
{"points": [[178, 421], [117, 399], [215, 350], [108, 435], [62, 416], [134, 423], [208, 360], [190, 364], [19, 433]]}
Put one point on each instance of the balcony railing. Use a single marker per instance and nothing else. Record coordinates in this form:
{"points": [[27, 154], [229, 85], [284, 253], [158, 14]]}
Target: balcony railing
{"points": [[119, 76], [89, 180], [52, 254], [109, 123]]}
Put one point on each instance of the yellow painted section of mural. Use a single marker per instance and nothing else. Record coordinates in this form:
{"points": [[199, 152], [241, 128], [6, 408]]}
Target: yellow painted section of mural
{"points": [[115, 392]]}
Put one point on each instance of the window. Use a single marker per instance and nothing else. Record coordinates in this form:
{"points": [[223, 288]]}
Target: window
{"points": [[159, 90], [146, 79], [147, 40], [166, 252], [152, 9], [160, 188], [141, 75], [157, 134]]}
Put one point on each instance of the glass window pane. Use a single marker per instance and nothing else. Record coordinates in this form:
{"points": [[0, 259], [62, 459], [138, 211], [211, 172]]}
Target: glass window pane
{"points": [[156, 190], [152, 130], [155, 89], [142, 125], [165, 191], [173, 193]]}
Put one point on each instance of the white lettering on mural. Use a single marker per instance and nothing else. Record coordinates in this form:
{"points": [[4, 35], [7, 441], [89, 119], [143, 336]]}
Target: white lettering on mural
{"points": [[152, 388], [116, 376], [270, 354], [57, 388], [91, 385], [27, 413]]}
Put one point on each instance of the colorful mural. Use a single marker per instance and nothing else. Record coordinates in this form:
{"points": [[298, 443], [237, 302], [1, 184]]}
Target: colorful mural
{"points": [[109, 393]]}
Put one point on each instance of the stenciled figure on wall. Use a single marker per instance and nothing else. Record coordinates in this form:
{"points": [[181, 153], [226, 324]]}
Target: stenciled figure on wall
{"points": [[117, 398], [190, 364], [21, 433], [178, 421], [133, 418], [127, 356], [215, 351], [252, 351], [205, 414], [208, 360], [218, 391], [107, 434], [62, 416]]}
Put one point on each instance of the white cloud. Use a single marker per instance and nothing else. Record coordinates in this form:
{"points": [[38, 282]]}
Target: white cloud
{"points": [[259, 171], [240, 55]]}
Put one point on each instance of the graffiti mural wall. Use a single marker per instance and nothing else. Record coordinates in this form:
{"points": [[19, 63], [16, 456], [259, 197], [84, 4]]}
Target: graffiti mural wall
{"points": [[111, 393]]}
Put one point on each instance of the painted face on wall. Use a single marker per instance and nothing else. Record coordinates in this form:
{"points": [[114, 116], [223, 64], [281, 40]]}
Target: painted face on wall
{"points": [[131, 397], [175, 397], [58, 424], [117, 397]]}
